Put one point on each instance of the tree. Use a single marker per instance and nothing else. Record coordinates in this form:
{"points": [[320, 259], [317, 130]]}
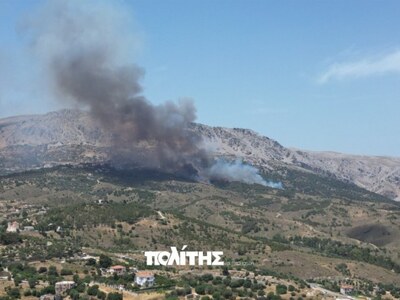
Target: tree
{"points": [[32, 282], [216, 296], [281, 289], [14, 293], [9, 238], [52, 271], [114, 296], [93, 290], [81, 288], [91, 262], [272, 296], [74, 294], [247, 284], [200, 289], [65, 272], [228, 294], [76, 278], [101, 295], [48, 290], [207, 277], [105, 261]]}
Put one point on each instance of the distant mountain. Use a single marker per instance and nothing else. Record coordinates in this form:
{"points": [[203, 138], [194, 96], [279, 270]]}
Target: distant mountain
{"points": [[71, 136], [378, 174]]}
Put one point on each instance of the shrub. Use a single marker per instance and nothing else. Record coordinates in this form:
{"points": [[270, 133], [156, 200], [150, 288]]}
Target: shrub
{"points": [[65, 272], [14, 293], [281, 289], [200, 289], [93, 290], [91, 262], [114, 296]]}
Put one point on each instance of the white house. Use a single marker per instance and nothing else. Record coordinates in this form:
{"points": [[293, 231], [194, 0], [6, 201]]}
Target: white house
{"points": [[12, 226], [144, 278], [29, 228], [346, 289]]}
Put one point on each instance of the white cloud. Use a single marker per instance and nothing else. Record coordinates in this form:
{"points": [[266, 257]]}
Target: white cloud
{"points": [[378, 65]]}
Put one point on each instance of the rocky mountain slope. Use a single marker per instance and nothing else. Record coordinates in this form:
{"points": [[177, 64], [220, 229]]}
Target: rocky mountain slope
{"points": [[71, 136], [377, 174]]}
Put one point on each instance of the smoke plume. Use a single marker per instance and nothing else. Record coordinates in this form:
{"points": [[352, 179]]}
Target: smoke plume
{"points": [[238, 171], [85, 49], [85, 56]]}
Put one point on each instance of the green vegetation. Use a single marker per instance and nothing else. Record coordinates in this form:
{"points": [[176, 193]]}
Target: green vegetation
{"points": [[218, 287], [255, 226], [10, 238], [338, 249], [83, 215]]}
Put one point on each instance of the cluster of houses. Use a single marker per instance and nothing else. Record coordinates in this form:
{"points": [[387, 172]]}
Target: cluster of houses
{"points": [[142, 278], [14, 226], [60, 288], [17, 213]]}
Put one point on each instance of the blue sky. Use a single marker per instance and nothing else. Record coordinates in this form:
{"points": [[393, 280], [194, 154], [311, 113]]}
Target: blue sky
{"points": [[317, 75]]}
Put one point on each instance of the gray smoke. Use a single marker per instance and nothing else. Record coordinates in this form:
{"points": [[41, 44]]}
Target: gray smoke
{"points": [[85, 48]]}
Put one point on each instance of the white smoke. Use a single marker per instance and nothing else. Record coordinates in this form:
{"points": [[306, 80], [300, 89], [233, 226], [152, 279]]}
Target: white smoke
{"points": [[238, 171]]}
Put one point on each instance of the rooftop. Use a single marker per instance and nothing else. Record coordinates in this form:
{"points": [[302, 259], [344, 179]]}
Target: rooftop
{"points": [[117, 267], [346, 286], [144, 274]]}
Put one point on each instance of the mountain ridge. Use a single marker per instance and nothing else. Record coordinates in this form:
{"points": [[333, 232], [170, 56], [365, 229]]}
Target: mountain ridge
{"points": [[72, 136]]}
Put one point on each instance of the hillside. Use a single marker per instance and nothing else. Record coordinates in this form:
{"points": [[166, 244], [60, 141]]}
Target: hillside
{"points": [[303, 234], [316, 233], [71, 136]]}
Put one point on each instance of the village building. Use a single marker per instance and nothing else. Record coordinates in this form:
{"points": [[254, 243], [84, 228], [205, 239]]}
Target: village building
{"points": [[144, 278], [63, 286], [118, 270], [29, 228], [12, 226], [346, 289], [4, 275], [192, 296], [47, 297]]}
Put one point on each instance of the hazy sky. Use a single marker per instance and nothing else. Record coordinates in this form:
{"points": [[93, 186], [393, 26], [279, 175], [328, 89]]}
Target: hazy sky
{"points": [[318, 75]]}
